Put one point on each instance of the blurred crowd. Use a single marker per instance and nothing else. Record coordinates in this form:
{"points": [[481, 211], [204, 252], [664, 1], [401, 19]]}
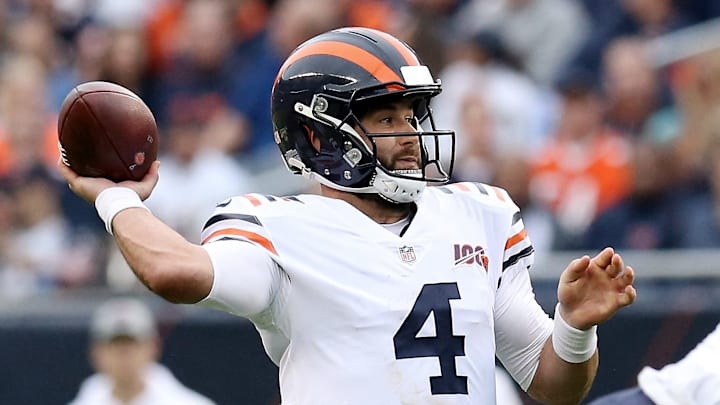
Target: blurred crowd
{"points": [[600, 117]]}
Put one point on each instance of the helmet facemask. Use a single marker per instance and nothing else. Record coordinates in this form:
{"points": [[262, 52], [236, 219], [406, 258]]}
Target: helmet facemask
{"points": [[360, 152]]}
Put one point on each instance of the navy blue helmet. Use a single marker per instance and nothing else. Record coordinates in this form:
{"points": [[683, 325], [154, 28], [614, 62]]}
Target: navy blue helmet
{"points": [[325, 85]]}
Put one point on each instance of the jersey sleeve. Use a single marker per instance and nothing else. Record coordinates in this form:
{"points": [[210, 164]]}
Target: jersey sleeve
{"points": [[245, 278], [521, 328], [521, 325], [244, 259]]}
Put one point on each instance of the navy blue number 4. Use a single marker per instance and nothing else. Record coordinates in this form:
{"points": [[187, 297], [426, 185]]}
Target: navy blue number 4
{"points": [[434, 299]]}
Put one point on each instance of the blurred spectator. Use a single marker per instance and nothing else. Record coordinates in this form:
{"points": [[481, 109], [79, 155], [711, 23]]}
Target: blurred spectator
{"points": [[648, 218], [165, 27], [259, 59], [124, 350], [475, 152], [700, 216], [88, 49], [512, 172], [698, 101], [424, 24], [544, 34], [201, 62], [633, 88], [485, 96], [41, 253], [27, 125], [585, 167], [125, 62], [622, 18], [28, 132], [34, 35]]}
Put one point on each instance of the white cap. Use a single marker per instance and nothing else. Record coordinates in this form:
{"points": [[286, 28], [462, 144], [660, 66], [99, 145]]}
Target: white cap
{"points": [[126, 317]]}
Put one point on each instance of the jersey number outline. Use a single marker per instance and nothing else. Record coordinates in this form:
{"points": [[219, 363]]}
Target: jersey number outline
{"points": [[434, 299]]}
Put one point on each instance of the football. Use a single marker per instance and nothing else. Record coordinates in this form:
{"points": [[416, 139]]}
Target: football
{"points": [[106, 130]]}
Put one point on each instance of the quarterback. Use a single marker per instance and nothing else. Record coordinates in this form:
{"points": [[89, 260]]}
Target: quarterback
{"points": [[391, 286]]}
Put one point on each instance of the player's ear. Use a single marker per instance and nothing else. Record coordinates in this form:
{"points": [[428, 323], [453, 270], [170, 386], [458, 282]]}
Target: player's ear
{"points": [[314, 139]]}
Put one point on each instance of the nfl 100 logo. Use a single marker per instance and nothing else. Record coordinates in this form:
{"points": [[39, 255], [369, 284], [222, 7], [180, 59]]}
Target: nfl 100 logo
{"points": [[407, 254]]}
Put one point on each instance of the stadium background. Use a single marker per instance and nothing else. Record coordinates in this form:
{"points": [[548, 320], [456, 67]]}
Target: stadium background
{"points": [[511, 68]]}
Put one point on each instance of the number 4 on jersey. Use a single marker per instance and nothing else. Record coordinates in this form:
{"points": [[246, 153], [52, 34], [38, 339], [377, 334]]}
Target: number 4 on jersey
{"points": [[434, 299]]}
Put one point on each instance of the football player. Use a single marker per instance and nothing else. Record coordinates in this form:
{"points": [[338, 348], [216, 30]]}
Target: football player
{"points": [[380, 290]]}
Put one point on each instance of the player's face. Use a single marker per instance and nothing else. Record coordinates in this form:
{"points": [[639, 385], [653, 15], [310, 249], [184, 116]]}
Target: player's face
{"points": [[400, 152]]}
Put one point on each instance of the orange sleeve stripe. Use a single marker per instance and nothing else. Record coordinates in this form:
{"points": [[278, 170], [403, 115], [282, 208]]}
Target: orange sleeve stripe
{"points": [[515, 239], [354, 54], [462, 186], [259, 239], [498, 193], [253, 200], [409, 57]]}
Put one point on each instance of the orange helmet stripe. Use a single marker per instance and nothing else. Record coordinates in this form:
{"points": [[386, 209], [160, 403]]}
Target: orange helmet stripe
{"points": [[371, 63], [409, 57]]}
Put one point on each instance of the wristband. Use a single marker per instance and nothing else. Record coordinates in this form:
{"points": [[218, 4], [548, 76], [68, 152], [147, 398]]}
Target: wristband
{"points": [[113, 200], [571, 344]]}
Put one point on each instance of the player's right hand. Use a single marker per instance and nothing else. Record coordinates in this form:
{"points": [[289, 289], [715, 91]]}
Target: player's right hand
{"points": [[88, 188]]}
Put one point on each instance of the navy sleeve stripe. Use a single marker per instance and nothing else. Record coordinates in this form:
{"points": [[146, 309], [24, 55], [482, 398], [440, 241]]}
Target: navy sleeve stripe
{"points": [[480, 188], [223, 217], [516, 217], [516, 257]]}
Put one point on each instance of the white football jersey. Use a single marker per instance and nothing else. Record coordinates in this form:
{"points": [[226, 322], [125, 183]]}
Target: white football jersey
{"points": [[355, 314]]}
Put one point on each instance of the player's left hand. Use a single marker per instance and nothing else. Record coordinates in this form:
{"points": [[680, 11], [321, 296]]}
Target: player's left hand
{"points": [[590, 291]]}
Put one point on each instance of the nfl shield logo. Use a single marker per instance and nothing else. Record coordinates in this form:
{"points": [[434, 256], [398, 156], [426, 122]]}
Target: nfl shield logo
{"points": [[407, 254]]}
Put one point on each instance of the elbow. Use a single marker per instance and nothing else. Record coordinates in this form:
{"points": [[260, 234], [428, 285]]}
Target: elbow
{"points": [[163, 282], [177, 283]]}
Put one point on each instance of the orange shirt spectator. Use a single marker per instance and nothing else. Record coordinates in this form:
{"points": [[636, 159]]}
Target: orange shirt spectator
{"points": [[585, 167], [579, 180]]}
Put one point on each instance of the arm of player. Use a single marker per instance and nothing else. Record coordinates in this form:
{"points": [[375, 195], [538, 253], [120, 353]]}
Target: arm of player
{"points": [[162, 259], [590, 292]]}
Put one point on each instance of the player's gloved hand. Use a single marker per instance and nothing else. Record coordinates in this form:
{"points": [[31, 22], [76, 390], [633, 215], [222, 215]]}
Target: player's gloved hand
{"points": [[590, 291], [89, 188]]}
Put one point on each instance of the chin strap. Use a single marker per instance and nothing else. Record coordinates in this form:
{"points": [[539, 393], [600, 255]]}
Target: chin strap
{"points": [[391, 188], [395, 189]]}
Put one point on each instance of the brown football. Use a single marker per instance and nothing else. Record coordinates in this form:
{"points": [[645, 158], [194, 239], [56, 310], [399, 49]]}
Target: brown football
{"points": [[106, 130]]}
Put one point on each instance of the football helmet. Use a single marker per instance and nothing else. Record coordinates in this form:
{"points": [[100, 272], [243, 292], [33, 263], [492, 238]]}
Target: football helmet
{"points": [[325, 85]]}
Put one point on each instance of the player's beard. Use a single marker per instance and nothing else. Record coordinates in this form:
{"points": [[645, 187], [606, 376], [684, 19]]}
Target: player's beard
{"points": [[393, 164]]}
